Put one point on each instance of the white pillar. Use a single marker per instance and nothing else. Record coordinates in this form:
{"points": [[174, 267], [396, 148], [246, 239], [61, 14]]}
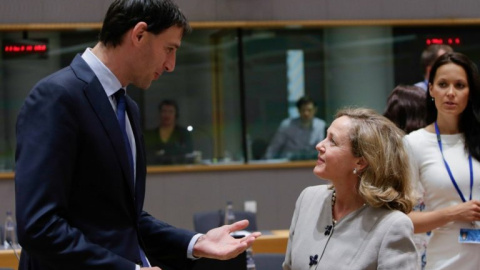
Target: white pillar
{"points": [[359, 67]]}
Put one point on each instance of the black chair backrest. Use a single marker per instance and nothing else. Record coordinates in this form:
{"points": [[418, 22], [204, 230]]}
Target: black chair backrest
{"points": [[268, 261], [237, 263]]}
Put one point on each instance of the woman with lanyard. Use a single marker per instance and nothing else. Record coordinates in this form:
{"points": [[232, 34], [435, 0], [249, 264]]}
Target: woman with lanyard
{"points": [[446, 157]]}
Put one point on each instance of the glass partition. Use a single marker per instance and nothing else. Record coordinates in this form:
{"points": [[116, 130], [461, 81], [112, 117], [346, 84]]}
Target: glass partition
{"points": [[281, 65], [232, 87]]}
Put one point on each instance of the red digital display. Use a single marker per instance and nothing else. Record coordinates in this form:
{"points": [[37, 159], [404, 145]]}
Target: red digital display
{"points": [[447, 41], [24, 48], [18, 48]]}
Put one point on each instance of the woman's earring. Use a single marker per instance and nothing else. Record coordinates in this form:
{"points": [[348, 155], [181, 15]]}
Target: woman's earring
{"points": [[433, 99], [355, 171]]}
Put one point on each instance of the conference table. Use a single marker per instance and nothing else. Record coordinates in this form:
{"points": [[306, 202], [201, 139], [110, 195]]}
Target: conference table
{"points": [[274, 241], [8, 258]]}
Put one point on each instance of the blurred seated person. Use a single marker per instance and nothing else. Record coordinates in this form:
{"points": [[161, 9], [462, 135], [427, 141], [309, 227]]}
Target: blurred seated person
{"points": [[407, 107], [296, 137], [169, 143]]}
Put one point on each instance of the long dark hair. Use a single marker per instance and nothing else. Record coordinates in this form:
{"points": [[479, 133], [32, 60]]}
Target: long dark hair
{"points": [[469, 123], [122, 15]]}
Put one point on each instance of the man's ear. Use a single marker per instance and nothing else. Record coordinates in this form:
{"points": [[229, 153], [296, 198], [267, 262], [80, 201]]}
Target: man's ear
{"points": [[138, 32]]}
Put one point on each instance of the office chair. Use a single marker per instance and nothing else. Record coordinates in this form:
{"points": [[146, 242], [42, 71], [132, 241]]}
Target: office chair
{"points": [[268, 261], [205, 221]]}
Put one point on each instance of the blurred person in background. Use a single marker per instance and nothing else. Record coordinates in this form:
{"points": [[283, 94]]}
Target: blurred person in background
{"points": [[169, 143], [406, 107], [295, 139], [428, 57]]}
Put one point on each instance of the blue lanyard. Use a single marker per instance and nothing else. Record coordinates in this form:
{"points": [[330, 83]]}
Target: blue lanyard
{"points": [[439, 140]]}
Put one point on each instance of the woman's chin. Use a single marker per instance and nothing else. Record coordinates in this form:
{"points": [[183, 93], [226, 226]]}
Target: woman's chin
{"points": [[318, 171]]}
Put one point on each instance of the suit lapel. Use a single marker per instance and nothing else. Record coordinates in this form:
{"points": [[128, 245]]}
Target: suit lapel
{"points": [[103, 109]]}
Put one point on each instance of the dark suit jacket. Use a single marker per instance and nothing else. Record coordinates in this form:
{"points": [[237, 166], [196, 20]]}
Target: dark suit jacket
{"points": [[76, 204]]}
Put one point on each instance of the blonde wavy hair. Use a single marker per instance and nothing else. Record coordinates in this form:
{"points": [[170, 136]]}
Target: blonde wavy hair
{"points": [[385, 182]]}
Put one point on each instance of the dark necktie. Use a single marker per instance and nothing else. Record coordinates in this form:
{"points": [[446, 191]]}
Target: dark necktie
{"points": [[120, 97]]}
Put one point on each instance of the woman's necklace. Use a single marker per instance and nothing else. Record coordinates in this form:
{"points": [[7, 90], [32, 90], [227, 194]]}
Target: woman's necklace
{"points": [[334, 197], [314, 259]]}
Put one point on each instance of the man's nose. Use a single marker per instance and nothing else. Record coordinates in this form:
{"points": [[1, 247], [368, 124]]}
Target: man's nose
{"points": [[170, 63]]}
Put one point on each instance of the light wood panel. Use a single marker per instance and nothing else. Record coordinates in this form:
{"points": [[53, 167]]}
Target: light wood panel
{"points": [[271, 243], [8, 258], [257, 24]]}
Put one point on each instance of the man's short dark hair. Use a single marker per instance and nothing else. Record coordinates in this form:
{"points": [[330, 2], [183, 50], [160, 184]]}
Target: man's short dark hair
{"points": [[122, 15], [170, 102], [304, 101], [430, 54]]}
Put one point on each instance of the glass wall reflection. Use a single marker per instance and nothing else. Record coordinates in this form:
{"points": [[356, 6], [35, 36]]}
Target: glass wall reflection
{"points": [[233, 88]]}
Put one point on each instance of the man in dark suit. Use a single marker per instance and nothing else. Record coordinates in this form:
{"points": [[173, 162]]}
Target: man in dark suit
{"points": [[80, 171]]}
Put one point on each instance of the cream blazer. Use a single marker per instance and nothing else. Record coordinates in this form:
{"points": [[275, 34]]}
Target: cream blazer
{"points": [[368, 238]]}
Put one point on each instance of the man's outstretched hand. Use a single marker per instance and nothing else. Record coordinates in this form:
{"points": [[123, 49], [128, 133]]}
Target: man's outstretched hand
{"points": [[219, 244]]}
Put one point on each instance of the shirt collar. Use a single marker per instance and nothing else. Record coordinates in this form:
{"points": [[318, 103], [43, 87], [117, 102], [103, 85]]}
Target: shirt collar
{"points": [[107, 79]]}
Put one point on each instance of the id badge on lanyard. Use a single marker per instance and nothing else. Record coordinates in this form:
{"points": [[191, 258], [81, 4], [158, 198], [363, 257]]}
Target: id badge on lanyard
{"points": [[466, 235], [469, 236]]}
